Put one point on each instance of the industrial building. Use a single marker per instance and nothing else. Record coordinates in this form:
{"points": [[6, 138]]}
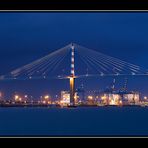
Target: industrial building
{"points": [[65, 98], [120, 98], [130, 97]]}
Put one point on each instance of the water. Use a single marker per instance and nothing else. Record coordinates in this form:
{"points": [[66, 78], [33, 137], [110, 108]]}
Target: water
{"points": [[84, 121]]}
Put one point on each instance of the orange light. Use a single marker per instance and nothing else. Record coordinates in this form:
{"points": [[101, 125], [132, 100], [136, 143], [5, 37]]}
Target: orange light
{"points": [[120, 101], [20, 99], [90, 97], [46, 97], [103, 97], [16, 96], [49, 102]]}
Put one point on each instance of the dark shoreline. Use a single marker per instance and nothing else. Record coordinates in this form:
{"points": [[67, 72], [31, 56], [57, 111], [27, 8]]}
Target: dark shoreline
{"points": [[58, 106]]}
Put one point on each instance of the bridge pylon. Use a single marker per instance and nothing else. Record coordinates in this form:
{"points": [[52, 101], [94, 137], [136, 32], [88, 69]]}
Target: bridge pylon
{"points": [[72, 77]]}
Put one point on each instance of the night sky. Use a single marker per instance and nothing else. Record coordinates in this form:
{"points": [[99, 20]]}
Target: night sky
{"points": [[25, 37]]}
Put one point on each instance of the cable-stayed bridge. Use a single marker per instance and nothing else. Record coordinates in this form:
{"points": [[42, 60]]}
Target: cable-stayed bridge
{"points": [[87, 62], [74, 61]]}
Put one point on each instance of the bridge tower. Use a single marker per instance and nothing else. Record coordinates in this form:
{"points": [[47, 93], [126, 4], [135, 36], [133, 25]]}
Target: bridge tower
{"points": [[72, 77]]}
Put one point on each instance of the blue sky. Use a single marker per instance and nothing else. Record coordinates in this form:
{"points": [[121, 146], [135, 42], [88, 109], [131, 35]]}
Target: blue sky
{"points": [[25, 37]]}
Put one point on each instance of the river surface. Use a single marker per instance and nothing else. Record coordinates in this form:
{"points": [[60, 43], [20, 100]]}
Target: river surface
{"points": [[81, 121]]}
